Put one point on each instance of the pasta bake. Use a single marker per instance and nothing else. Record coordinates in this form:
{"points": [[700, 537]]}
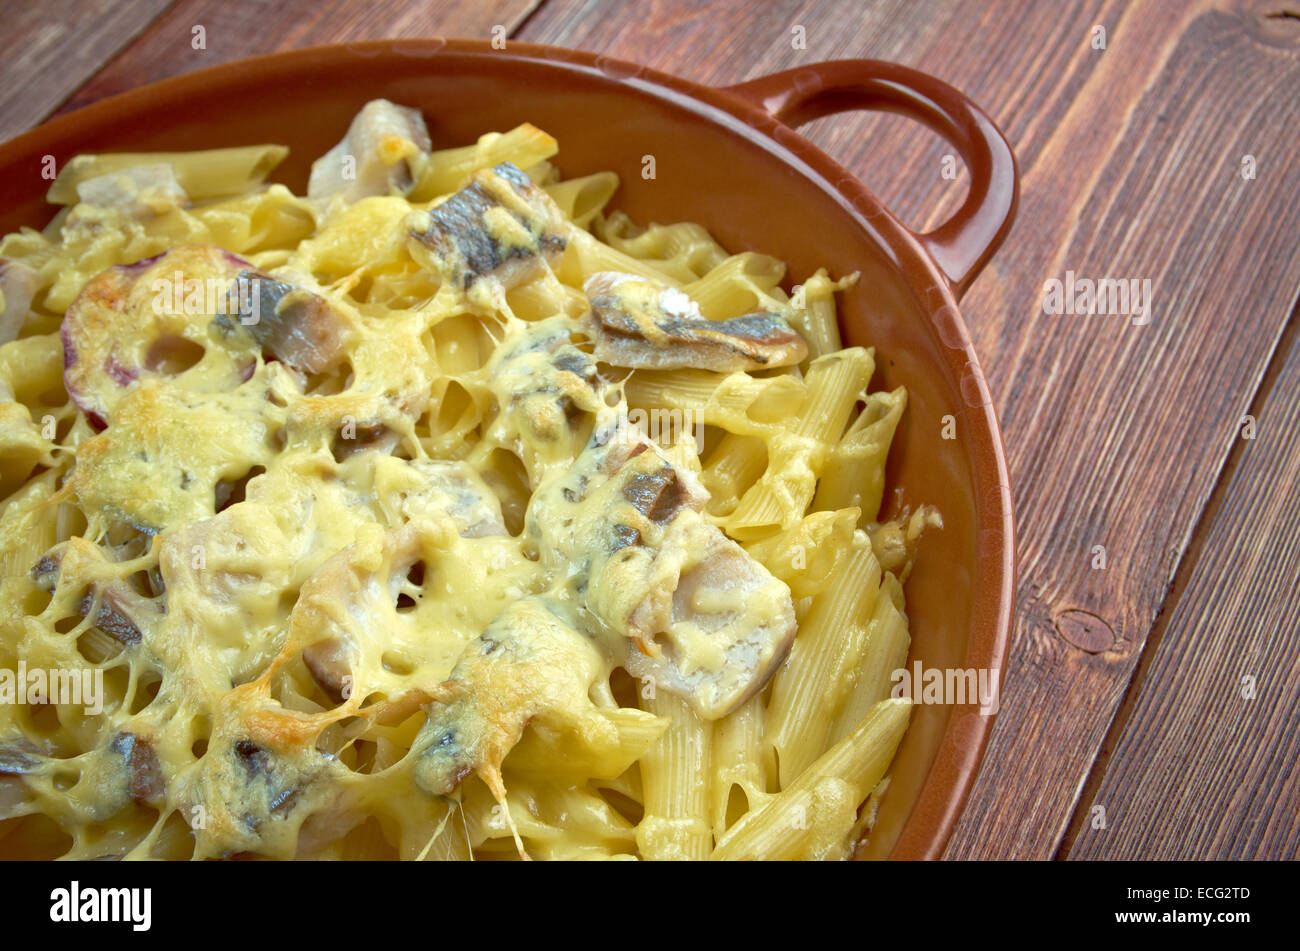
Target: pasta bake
{"points": [[441, 512]]}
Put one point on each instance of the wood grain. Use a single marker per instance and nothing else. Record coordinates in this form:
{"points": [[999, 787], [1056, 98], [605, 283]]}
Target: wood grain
{"points": [[1208, 763], [1116, 433], [50, 48], [722, 43], [252, 27]]}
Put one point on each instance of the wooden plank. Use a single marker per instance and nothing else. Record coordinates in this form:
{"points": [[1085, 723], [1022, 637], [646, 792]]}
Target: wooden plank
{"points": [[232, 31], [1116, 433], [50, 48], [1024, 76], [1209, 764]]}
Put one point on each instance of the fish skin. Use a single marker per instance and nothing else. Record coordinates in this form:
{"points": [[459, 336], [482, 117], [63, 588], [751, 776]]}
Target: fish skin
{"points": [[296, 326], [643, 325], [460, 243]]}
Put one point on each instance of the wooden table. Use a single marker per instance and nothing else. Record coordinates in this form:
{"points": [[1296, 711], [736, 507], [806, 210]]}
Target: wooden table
{"points": [[1164, 687]]}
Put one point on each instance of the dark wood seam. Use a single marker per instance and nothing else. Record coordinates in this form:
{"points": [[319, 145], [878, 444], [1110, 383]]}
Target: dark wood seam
{"points": [[1288, 339], [523, 20]]}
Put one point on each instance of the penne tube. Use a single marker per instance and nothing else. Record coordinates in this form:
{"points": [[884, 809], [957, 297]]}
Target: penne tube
{"points": [[601, 757], [808, 691], [816, 319], [804, 555], [689, 244], [780, 497], [813, 817], [737, 286], [211, 173], [545, 297], [675, 782], [731, 469], [587, 256], [854, 473], [448, 169], [741, 764], [672, 389], [582, 199], [871, 679]]}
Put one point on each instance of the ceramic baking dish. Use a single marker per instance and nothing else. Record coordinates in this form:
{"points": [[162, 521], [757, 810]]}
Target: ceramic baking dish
{"points": [[729, 159]]}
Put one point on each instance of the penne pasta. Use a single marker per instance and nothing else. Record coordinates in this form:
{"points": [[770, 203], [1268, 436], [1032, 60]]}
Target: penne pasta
{"points": [[448, 169], [394, 535], [835, 383], [675, 782], [582, 199], [804, 556], [741, 766], [830, 645], [811, 818], [737, 286], [816, 318], [731, 469], [212, 173], [631, 735], [870, 680], [854, 474], [587, 256]]}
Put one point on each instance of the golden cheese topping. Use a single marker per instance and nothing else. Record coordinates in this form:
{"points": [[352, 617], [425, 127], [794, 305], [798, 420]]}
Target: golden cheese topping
{"points": [[346, 531]]}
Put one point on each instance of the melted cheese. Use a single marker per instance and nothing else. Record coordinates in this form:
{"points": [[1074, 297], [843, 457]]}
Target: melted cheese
{"points": [[303, 588]]}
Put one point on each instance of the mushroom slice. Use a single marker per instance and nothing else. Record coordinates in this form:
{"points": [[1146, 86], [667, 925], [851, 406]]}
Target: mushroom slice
{"points": [[499, 226], [144, 777], [330, 664], [383, 153], [19, 756], [118, 610], [644, 325]]}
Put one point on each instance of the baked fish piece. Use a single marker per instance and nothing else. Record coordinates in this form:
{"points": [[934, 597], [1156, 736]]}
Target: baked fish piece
{"points": [[531, 665], [441, 491], [641, 324], [694, 613], [161, 316], [294, 324], [500, 226], [384, 152]]}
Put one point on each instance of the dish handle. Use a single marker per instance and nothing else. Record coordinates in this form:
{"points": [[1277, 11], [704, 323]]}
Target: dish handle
{"points": [[963, 244]]}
